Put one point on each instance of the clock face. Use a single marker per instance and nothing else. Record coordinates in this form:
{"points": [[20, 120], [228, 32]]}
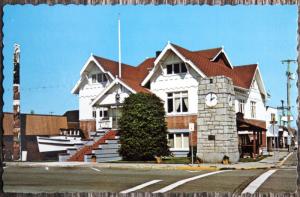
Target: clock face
{"points": [[211, 99], [230, 100]]}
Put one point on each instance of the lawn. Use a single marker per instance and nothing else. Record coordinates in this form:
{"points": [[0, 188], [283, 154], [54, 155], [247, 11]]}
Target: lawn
{"points": [[250, 159], [166, 160]]}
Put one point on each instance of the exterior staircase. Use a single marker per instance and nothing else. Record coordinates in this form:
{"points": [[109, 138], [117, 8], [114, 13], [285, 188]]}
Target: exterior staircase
{"points": [[102, 144]]}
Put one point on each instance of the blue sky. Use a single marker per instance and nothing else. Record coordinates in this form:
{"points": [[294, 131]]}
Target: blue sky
{"points": [[56, 41]]}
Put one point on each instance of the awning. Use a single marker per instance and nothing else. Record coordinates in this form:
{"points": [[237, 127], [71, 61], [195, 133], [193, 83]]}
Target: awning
{"points": [[249, 124]]}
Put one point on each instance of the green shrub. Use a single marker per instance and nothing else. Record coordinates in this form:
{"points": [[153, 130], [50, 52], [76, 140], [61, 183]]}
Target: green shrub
{"points": [[143, 130]]}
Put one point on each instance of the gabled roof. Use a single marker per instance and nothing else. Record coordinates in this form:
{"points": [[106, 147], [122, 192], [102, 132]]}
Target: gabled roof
{"points": [[110, 86], [240, 75], [203, 59], [112, 66], [246, 73], [205, 62], [131, 75]]}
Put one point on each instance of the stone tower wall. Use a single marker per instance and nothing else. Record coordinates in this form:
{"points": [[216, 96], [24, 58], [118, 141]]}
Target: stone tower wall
{"points": [[217, 132]]}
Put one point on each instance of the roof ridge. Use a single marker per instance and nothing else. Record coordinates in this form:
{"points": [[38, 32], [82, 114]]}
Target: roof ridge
{"points": [[106, 59], [207, 49], [246, 65]]}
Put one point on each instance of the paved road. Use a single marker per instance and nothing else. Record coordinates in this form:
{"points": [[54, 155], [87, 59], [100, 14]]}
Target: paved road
{"points": [[86, 179]]}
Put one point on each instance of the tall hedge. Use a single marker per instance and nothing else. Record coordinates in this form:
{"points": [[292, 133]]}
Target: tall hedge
{"points": [[143, 130]]}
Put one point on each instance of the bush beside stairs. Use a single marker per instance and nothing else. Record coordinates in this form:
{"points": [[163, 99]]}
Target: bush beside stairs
{"points": [[85, 153]]}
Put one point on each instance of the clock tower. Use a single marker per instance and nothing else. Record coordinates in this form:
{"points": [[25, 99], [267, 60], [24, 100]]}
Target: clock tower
{"points": [[217, 133]]}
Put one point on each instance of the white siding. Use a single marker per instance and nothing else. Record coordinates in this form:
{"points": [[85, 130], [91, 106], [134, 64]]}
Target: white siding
{"points": [[89, 91], [110, 97], [163, 83], [255, 95]]}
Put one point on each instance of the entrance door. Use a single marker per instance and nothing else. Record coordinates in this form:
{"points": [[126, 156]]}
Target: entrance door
{"points": [[116, 114]]}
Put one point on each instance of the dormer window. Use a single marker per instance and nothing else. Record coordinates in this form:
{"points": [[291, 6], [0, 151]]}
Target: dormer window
{"points": [[176, 68], [99, 78], [94, 78]]}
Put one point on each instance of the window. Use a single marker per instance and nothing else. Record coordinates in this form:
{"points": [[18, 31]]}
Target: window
{"points": [[273, 118], [176, 68], [178, 140], [99, 78], [242, 106], [94, 77], [169, 69], [170, 102], [183, 68], [94, 113], [177, 102], [253, 109], [103, 112], [171, 140], [185, 140]]}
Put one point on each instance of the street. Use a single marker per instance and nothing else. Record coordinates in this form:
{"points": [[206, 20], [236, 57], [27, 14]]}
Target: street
{"points": [[89, 179]]}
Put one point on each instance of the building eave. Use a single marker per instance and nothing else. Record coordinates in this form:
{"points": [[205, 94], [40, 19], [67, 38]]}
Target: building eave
{"points": [[169, 46]]}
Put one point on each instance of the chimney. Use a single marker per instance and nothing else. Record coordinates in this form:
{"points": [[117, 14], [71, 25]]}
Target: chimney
{"points": [[157, 53]]}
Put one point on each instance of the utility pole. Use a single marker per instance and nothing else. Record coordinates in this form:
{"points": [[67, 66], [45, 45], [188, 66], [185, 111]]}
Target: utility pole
{"points": [[289, 75], [282, 108], [16, 105]]}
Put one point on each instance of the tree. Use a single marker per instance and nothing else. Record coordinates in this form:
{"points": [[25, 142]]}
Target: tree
{"points": [[143, 130]]}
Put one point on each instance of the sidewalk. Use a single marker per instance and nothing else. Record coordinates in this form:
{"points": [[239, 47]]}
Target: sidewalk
{"points": [[268, 162]]}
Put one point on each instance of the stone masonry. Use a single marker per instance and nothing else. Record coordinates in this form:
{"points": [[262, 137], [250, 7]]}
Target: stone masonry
{"points": [[216, 126]]}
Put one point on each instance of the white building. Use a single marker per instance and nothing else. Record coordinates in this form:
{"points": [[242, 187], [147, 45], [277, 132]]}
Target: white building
{"points": [[173, 76]]}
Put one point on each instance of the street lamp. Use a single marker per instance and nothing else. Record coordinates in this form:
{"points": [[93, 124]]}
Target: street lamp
{"points": [[191, 129], [273, 122]]}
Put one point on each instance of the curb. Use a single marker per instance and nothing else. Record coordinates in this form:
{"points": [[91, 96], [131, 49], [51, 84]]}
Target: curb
{"points": [[280, 163], [197, 168], [156, 166]]}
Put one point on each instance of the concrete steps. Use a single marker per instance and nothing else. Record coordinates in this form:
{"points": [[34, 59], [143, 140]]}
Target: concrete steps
{"points": [[107, 138], [95, 136], [107, 151]]}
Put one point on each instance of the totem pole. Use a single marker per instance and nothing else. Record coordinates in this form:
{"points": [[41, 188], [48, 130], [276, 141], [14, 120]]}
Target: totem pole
{"points": [[16, 105]]}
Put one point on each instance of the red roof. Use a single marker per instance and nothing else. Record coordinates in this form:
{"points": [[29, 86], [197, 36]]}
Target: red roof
{"points": [[133, 76], [241, 75]]}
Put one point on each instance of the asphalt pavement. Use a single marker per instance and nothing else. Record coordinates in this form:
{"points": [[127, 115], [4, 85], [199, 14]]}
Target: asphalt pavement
{"points": [[98, 178]]}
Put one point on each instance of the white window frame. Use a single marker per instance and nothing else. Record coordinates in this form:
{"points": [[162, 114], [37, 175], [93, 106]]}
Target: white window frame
{"points": [[94, 113], [253, 109], [180, 68], [241, 106], [99, 78], [181, 102], [94, 78], [181, 141], [101, 111]]}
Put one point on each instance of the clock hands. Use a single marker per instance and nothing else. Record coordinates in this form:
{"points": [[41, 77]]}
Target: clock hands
{"points": [[212, 97]]}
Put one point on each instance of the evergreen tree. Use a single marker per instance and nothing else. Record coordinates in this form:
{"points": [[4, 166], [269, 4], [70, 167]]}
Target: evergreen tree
{"points": [[143, 130]]}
